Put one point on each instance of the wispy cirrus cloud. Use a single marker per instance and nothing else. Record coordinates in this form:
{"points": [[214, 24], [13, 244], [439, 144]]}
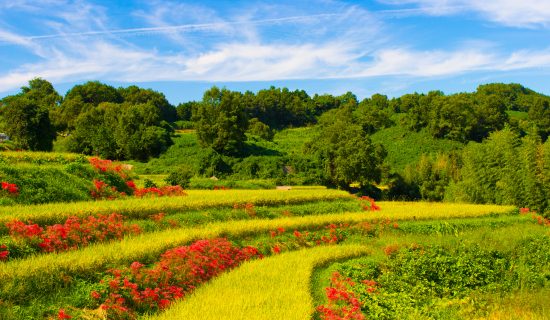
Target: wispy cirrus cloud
{"points": [[75, 41], [514, 13], [239, 48]]}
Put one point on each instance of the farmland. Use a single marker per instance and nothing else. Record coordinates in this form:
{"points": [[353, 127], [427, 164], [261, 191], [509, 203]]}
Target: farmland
{"points": [[302, 235]]}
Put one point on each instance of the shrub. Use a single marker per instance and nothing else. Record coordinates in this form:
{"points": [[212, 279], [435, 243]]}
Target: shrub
{"points": [[180, 176]]}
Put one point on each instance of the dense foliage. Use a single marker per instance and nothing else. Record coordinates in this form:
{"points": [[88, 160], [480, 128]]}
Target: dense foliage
{"points": [[220, 121], [436, 281], [417, 146]]}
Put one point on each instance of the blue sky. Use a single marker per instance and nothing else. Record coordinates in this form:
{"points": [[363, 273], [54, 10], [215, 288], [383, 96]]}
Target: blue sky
{"points": [[181, 48]]}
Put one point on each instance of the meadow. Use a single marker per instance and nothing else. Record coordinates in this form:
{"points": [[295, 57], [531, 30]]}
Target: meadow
{"points": [[301, 236], [298, 253]]}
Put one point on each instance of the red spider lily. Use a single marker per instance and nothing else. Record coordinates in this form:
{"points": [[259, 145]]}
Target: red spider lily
{"points": [[110, 166], [371, 204], [4, 255], [221, 188], [131, 184], [158, 217], [180, 270], [10, 187], [342, 302], [72, 234], [169, 191], [62, 315], [96, 295]]}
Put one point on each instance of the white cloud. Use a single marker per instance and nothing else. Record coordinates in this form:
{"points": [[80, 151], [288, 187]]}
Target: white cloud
{"points": [[515, 13], [427, 63], [345, 42]]}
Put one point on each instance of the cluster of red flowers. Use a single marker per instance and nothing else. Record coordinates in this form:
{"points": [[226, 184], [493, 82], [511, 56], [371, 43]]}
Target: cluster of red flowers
{"points": [[109, 166], [248, 208], [371, 285], [180, 270], [342, 302], [540, 219], [63, 315], [102, 190], [377, 227], [166, 191], [368, 204], [4, 253], [72, 234], [160, 220], [221, 188], [390, 249], [10, 187], [330, 234]]}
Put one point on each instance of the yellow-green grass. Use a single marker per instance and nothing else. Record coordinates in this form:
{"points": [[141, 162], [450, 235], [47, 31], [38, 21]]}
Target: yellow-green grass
{"points": [[141, 208], [273, 288], [33, 156], [157, 179], [43, 272]]}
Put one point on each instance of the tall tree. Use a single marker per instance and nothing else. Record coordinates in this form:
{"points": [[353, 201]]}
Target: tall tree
{"points": [[220, 121], [345, 152], [27, 123]]}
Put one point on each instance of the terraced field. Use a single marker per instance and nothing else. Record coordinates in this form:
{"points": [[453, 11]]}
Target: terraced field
{"points": [[197, 256]]}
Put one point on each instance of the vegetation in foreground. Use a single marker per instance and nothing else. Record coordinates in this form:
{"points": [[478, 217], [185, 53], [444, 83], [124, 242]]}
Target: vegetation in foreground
{"points": [[82, 282]]}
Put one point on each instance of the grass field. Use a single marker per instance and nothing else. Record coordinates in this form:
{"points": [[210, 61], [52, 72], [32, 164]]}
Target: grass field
{"points": [[37, 286], [271, 288]]}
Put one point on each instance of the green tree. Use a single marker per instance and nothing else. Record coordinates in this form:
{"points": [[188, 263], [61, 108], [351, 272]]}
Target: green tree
{"points": [[134, 95], [80, 99], [492, 171], [539, 115], [120, 131], [374, 114], [184, 111], [42, 92], [345, 152], [94, 133], [260, 129], [220, 121], [27, 123]]}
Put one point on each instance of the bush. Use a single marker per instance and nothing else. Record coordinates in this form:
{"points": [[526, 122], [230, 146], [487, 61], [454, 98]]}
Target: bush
{"points": [[181, 176]]}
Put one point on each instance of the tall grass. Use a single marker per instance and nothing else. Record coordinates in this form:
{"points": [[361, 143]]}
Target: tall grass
{"points": [[46, 272], [273, 288], [142, 208]]}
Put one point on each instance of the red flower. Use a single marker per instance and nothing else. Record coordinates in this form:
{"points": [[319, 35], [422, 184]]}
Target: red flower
{"points": [[276, 250], [95, 294], [63, 315], [10, 187], [131, 184], [4, 255], [163, 303]]}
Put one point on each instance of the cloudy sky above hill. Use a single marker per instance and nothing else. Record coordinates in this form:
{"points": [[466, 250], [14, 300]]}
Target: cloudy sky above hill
{"points": [[182, 48]]}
